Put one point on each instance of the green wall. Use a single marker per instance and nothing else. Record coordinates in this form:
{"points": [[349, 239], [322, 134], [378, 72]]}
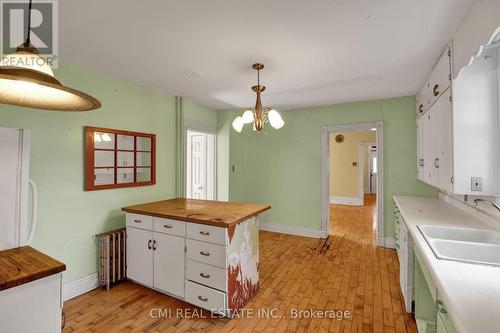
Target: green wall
{"points": [[283, 167], [68, 216]]}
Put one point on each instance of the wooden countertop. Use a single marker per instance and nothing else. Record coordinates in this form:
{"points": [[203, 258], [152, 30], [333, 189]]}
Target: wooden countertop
{"points": [[25, 264], [217, 213]]}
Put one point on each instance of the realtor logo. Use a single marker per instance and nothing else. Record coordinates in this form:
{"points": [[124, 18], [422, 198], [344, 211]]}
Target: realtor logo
{"points": [[44, 28]]}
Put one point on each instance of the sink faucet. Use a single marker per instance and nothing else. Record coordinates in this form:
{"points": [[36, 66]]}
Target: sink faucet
{"points": [[488, 201]]}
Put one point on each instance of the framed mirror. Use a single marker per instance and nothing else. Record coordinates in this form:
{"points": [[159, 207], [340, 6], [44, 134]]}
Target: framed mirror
{"points": [[117, 158]]}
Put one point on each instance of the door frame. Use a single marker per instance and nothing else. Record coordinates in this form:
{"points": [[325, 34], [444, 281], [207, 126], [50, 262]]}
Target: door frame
{"points": [[369, 144], [325, 174], [202, 129]]}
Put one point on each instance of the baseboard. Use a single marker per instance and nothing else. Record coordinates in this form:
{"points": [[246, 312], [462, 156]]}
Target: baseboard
{"points": [[293, 230], [80, 286], [389, 242], [346, 201]]}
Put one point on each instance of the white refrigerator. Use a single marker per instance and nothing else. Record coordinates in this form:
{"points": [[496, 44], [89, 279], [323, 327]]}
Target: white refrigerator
{"points": [[17, 217]]}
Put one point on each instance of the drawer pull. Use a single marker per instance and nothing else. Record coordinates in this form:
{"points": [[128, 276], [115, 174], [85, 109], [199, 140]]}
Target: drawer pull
{"points": [[203, 275], [204, 299], [167, 226], [203, 253], [149, 244], [154, 245], [138, 221], [204, 233], [435, 91], [421, 108]]}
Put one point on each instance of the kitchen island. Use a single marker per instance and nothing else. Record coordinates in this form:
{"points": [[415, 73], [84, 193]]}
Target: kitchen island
{"points": [[203, 252]]}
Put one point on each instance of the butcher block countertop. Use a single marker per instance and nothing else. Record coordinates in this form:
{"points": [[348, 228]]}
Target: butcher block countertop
{"points": [[216, 213], [25, 264]]}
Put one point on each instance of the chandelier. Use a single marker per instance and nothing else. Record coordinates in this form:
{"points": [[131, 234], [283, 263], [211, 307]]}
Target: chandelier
{"points": [[258, 115]]}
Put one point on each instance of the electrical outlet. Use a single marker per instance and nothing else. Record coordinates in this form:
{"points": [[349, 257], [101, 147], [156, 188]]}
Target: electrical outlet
{"points": [[476, 184]]}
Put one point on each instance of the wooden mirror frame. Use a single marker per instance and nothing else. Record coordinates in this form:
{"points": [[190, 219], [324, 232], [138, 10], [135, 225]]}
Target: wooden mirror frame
{"points": [[90, 159]]}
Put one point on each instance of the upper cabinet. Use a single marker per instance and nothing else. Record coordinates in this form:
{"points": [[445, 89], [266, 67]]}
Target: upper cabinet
{"points": [[458, 123]]}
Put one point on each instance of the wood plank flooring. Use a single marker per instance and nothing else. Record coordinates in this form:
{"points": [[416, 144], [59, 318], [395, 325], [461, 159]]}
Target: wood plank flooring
{"points": [[346, 272]]}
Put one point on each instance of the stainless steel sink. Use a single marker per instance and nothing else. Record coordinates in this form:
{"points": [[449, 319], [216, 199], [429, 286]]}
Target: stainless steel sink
{"points": [[479, 246]]}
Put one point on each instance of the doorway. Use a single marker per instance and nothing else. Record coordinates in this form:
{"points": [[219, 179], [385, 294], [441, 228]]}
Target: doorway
{"points": [[363, 163], [200, 163]]}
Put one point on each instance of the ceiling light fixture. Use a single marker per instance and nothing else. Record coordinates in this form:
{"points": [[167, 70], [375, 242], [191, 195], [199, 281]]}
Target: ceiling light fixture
{"points": [[258, 115], [27, 80]]}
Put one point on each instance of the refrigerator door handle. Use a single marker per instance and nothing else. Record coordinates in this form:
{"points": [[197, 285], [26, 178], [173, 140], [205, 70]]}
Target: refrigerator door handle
{"points": [[34, 210]]}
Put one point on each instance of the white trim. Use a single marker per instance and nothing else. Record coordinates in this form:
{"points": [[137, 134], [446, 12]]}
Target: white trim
{"points": [[202, 129], [292, 230], [325, 166], [346, 201], [80, 286], [361, 172]]}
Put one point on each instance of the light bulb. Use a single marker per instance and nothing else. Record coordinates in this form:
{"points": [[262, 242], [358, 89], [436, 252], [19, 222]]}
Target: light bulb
{"points": [[247, 117], [275, 119], [238, 124], [105, 137], [97, 137]]}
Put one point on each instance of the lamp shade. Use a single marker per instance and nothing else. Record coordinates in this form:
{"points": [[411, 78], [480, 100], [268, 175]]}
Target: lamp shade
{"points": [[275, 119], [247, 117], [238, 124], [26, 80]]}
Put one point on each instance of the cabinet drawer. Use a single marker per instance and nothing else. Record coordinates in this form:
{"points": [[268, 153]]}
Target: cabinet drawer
{"points": [[208, 275], [204, 297], [171, 227], [207, 233], [207, 253], [139, 221]]}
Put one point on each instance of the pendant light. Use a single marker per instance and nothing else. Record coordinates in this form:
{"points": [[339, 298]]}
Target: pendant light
{"points": [[27, 80], [258, 115]]}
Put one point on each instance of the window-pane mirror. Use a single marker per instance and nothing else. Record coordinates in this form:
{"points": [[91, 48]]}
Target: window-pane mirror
{"points": [[117, 158]]}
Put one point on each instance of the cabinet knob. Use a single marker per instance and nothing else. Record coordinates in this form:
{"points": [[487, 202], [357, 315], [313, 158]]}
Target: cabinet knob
{"points": [[204, 233], [435, 90], [154, 245], [421, 108], [149, 244], [203, 275], [203, 253], [167, 226], [436, 163], [137, 221], [204, 299]]}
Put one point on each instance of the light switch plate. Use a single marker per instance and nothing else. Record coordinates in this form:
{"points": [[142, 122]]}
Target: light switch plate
{"points": [[476, 184]]}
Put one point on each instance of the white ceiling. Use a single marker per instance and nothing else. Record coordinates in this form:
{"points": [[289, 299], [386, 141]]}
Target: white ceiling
{"points": [[316, 52]]}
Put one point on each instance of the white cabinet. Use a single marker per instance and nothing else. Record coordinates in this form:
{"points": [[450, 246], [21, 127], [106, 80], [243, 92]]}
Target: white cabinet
{"points": [[457, 136], [156, 259], [33, 307], [140, 255], [169, 263], [201, 264]]}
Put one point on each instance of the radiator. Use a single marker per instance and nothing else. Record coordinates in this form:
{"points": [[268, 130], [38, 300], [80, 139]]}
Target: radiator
{"points": [[112, 257]]}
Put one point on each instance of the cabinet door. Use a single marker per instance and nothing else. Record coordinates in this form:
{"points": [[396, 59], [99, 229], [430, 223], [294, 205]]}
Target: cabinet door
{"points": [[440, 78], [169, 263], [444, 156], [140, 256], [428, 147], [420, 148]]}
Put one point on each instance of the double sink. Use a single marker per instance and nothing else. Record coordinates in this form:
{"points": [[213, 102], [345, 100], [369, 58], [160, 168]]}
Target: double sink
{"points": [[477, 246]]}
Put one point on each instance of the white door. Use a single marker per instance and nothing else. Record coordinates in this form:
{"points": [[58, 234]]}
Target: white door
{"points": [[140, 256], [199, 166], [372, 158], [169, 265], [444, 162]]}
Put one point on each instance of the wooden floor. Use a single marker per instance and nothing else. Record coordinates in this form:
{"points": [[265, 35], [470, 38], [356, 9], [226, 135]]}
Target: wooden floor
{"points": [[345, 272]]}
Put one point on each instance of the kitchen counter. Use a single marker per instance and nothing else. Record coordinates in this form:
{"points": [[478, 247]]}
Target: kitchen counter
{"points": [[216, 213], [471, 292], [25, 264]]}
